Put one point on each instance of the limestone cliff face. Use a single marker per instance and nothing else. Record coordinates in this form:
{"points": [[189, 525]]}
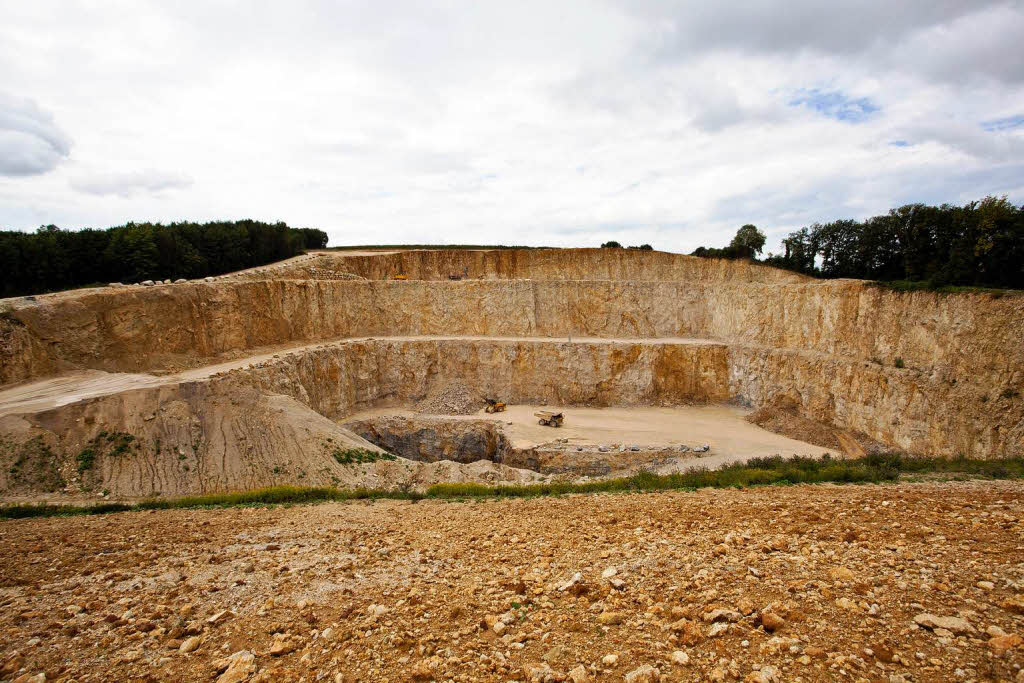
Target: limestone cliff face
{"points": [[834, 346], [920, 411], [339, 379], [154, 328], [538, 264]]}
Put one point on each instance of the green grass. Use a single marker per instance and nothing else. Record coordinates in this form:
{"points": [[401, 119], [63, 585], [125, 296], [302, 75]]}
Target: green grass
{"points": [[359, 456], [755, 472]]}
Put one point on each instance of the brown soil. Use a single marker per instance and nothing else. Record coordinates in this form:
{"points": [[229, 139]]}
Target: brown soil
{"points": [[800, 583]]}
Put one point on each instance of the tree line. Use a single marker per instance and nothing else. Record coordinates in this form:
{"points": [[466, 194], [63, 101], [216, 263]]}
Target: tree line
{"points": [[51, 258], [978, 244]]}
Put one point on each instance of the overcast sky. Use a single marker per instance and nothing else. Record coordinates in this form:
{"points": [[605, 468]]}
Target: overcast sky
{"points": [[564, 123]]}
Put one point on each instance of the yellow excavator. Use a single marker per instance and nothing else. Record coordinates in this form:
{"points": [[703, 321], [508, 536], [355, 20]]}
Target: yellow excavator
{"points": [[494, 406]]}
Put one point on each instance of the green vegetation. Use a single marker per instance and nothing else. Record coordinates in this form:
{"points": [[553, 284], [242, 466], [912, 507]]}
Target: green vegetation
{"points": [[33, 463], [980, 244], [756, 472], [86, 459], [52, 259], [975, 247], [359, 456], [615, 245], [747, 244]]}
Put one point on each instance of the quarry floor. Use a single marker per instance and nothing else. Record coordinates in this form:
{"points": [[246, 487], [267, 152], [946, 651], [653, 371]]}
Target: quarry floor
{"points": [[802, 583], [722, 427]]}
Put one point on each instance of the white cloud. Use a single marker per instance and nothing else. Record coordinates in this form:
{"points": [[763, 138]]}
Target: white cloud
{"points": [[565, 123], [30, 141], [130, 183]]}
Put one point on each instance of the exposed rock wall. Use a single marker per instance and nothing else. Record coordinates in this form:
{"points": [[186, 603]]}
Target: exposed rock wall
{"points": [[835, 347], [154, 328], [923, 412], [430, 440], [541, 264], [339, 379]]}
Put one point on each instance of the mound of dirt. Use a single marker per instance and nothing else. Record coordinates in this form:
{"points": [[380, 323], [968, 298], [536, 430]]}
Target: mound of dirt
{"points": [[198, 437], [454, 398]]}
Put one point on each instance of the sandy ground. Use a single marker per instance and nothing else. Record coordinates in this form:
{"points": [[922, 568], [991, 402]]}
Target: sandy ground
{"points": [[907, 582], [722, 427], [67, 388]]}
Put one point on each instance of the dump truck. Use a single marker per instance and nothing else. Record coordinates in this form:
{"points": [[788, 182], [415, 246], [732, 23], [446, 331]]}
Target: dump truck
{"points": [[494, 406], [400, 277], [550, 418]]}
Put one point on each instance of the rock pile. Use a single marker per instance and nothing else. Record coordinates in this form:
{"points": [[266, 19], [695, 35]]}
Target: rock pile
{"points": [[454, 398]]}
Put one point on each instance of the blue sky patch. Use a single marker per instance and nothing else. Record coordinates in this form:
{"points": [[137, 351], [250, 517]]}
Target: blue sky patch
{"points": [[1008, 123], [835, 105], [899, 143]]}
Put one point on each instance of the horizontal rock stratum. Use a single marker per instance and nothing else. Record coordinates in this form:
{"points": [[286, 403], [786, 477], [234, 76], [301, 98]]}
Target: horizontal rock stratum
{"points": [[332, 333]]}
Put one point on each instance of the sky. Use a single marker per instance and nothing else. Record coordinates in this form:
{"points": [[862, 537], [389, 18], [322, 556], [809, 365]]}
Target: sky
{"points": [[562, 123]]}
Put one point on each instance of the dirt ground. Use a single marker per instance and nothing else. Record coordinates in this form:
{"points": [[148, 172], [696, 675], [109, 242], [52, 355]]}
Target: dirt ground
{"points": [[722, 427], [907, 582]]}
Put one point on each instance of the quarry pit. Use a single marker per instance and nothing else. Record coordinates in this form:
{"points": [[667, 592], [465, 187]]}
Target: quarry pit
{"points": [[270, 376]]}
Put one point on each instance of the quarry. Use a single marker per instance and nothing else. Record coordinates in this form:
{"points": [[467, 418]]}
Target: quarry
{"points": [[380, 370], [251, 379]]}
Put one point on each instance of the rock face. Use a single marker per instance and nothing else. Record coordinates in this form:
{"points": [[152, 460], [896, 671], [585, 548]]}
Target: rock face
{"points": [[929, 373], [430, 440]]}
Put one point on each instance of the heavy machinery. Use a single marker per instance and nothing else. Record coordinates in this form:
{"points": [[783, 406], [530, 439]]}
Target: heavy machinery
{"points": [[550, 418], [400, 277], [494, 406]]}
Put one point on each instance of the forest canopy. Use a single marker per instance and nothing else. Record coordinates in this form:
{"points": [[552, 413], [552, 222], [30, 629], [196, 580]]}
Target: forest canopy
{"points": [[978, 244], [52, 259]]}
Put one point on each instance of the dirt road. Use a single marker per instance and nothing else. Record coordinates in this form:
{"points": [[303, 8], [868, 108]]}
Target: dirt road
{"points": [[771, 584]]}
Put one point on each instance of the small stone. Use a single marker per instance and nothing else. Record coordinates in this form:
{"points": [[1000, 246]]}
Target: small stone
{"points": [[610, 660], [985, 585], [841, 574], [642, 674], [579, 674], [281, 645], [241, 665], [846, 603], [574, 586], [220, 617], [718, 629], [1014, 605], [610, 618], [538, 672], [955, 625], [609, 573], [718, 615], [190, 644], [772, 622], [1002, 644], [680, 658]]}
